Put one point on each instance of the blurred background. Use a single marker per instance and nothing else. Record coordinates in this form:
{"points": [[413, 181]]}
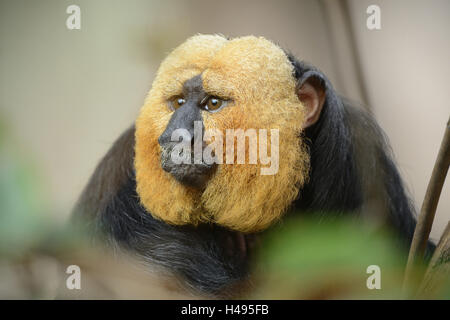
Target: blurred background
{"points": [[66, 95]]}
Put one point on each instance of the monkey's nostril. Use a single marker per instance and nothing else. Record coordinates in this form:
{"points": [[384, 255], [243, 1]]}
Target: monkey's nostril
{"points": [[164, 138], [160, 140]]}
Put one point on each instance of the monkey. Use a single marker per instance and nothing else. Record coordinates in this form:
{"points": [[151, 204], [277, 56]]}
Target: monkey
{"points": [[201, 221]]}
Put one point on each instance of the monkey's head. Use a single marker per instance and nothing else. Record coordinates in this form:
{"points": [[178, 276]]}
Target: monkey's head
{"points": [[203, 89]]}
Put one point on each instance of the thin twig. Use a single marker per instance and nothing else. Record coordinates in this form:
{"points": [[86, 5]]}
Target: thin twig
{"points": [[438, 271], [428, 210]]}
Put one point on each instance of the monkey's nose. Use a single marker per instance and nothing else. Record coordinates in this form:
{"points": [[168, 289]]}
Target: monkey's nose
{"points": [[164, 138], [161, 140], [181, 135]]}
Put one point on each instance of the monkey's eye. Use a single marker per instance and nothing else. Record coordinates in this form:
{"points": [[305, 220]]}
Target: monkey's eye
{"points": [[213, 103], [177, 102]]}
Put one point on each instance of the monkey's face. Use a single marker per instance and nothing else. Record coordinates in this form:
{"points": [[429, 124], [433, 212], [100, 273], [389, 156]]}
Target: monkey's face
{"points": [[190, 165]]}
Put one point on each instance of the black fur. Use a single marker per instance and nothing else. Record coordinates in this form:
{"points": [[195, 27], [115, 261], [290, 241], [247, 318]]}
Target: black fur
{"points": [[335, 183], [198, 255]]}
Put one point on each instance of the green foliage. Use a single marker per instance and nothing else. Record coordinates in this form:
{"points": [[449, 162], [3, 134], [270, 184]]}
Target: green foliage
{"points": [[25, 222], [20, 201], [311, 259]]}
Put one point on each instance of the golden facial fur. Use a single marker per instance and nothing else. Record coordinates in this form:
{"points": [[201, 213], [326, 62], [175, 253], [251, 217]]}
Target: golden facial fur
{"points": [[258, 78]]}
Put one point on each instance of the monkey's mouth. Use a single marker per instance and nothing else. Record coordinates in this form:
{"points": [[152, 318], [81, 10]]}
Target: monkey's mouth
{"points": [[186, 171]]}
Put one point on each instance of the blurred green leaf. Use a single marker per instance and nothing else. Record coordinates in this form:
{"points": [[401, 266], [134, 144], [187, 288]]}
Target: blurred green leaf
{"points": [[312, 259], [21, 200]]}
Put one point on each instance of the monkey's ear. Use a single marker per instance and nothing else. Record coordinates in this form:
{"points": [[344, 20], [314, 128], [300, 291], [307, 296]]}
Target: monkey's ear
{"points": [[311, 92]]}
